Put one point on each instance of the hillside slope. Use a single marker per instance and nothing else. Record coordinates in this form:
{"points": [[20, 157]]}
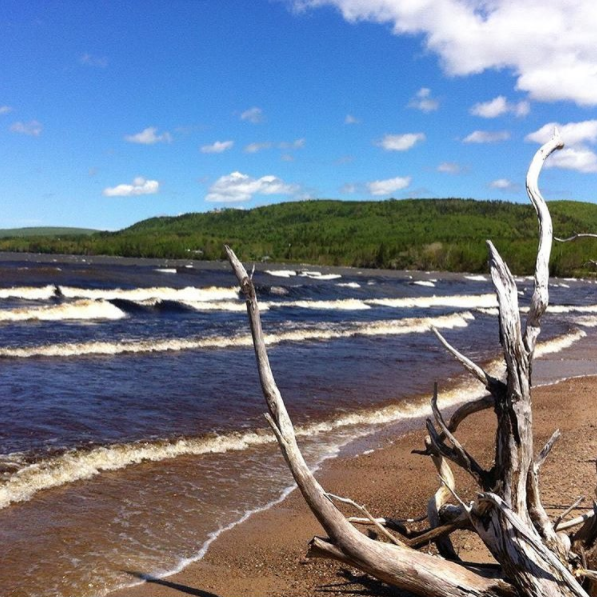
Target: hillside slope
{"points": [[445, 234]]}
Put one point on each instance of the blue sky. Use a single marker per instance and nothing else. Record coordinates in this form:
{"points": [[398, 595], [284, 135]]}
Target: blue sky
{"points": [[115, 111]]}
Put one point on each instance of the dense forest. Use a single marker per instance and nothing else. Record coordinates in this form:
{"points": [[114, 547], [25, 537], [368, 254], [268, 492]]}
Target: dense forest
{"points": [[429, 234]]}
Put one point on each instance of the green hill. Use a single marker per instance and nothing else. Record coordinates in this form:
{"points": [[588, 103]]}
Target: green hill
{"points": [[444, 234], [43, 231]]}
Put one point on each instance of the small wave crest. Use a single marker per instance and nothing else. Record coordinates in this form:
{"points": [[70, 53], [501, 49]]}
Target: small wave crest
{"points": [[463, 301], [322, 333], [79, 465], [78, 310], [189, 293]]}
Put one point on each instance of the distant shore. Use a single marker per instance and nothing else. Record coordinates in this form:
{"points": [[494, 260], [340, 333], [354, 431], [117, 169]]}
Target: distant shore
{"points": [[264, 556]]}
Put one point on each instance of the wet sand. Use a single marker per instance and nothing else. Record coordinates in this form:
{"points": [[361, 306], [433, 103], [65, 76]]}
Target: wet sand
{"points": [[264, 556]]}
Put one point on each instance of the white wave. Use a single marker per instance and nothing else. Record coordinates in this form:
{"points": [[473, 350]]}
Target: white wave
{"points": [[236, 306], [190, 293], [348, 285], [320, 275], [78, 466], [78, 310], [166, 270], [31, 293], [279, 290], [330, 332], [476, 278], [424, 283], [281, 273], [465, 301], [587, 321], [340, 305], [559, 343]]}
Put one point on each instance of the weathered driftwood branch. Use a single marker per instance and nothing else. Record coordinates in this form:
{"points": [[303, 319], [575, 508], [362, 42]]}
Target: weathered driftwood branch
{"points": [[400, 566], [535, 558], [575, 237]]}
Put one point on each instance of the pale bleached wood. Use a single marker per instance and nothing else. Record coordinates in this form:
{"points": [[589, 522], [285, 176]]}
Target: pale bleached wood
{"points": [[400, 566]]}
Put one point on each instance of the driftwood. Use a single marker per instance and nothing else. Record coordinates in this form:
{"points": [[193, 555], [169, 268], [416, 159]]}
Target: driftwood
{"points": [[534, 555]]}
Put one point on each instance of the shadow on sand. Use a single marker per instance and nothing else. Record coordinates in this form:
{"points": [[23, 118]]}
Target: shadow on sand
{"points": [[171, 585]]}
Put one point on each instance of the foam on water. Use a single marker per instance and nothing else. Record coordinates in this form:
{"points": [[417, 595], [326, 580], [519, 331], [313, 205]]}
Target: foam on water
{"points": [[42, 293], [348, 285], [281, 273], [78, 310], [476, 278], [325, 332], [190, 293], [464, 301], [319, 275], [424, 283]]}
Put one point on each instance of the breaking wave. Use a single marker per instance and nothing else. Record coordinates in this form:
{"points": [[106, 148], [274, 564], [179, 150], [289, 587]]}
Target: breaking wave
{"points": [[323, 333], [464, 301], [78, 310], [79, 465]]}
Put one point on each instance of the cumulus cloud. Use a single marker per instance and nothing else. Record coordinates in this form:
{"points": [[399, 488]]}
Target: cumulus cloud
{"points": [[33, 128], [350, 119], [576, 135], [96, 61], [253, 115], [449, 168], [500, 106], [217, 147], [285, 145], [572, 133], [486, 137], [503, 184], [5, 110], [548, 45], [388, 186], [149, 136], [423, 101], [241, 187], [140, 186], [400, 142]]}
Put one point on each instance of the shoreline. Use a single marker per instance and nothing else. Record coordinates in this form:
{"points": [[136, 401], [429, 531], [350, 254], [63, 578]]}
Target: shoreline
{"points": [[264, 553]]}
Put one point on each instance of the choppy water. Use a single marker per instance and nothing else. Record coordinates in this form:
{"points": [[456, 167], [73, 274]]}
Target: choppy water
{"points": [[131, 427]]}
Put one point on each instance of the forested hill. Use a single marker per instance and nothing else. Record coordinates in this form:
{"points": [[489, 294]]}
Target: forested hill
{"points": [[439, 234]]}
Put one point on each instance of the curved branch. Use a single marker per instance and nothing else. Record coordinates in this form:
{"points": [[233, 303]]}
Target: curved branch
{"points": [[575, 236], [540, 296]]}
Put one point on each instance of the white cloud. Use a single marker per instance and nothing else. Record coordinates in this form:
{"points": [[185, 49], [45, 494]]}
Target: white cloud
{"points": [[580, 159], [572, 133], [348, 189], [423, 101], [90, 60], [388, 186], [217, 147], [503, 184], [256, 147], [576, 155], [548, 45], [140, 186], [449, 168], [486, 137], [499, 106], [5, 110], [254, 115], [149, 136], [296, 144], [285, 145], [350, 119], [400, 142], [241, 187], [32, 128]]}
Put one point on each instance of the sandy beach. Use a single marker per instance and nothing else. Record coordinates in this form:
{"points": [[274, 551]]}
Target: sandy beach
{"points": [[265, 554]]}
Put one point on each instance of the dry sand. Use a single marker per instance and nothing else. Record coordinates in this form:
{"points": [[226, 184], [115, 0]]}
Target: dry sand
{"points": [[265, 555]]}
